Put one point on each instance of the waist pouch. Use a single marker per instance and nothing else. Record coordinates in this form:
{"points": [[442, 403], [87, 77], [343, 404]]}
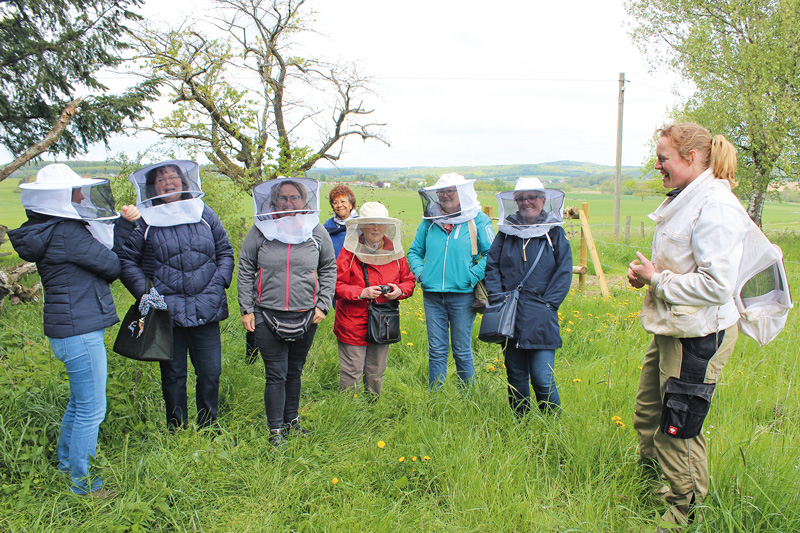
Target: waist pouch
{"points": [[288, 326]]}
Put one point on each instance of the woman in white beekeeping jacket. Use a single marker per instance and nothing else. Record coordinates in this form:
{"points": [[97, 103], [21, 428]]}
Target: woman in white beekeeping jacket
{"points": [[688, 307]]}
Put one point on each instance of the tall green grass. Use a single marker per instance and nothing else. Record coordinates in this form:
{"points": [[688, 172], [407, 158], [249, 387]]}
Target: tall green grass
{"points": [[467, 463]]}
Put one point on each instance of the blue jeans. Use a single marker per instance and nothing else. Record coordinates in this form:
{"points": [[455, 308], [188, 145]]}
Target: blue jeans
{"points": [[85, 359], [536, 367], [449, 317], [205, 350]]}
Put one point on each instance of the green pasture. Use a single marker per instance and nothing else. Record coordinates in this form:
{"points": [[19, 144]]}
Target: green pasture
{"points": [[454, 461]]}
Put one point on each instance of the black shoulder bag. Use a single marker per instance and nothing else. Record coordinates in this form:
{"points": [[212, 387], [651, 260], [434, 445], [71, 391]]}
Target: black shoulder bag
{"points": [[145, 338], [383, 319]]}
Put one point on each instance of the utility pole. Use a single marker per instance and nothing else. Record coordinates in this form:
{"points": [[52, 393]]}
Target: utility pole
{"points": [[618, 181]]}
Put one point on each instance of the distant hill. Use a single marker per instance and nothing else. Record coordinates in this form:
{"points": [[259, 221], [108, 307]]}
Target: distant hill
{"points": [[557, 171]]}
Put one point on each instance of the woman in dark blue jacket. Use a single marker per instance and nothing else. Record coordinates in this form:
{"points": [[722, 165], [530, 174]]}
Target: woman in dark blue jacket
{"points": [[184, 250], [70, 239], [533, 227]]}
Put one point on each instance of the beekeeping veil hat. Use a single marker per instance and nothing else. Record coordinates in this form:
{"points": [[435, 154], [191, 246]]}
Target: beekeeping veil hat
{"points": [[287, 209], [451, 200], [174, 178], [530, 210], [374, 237], [59, 191]]}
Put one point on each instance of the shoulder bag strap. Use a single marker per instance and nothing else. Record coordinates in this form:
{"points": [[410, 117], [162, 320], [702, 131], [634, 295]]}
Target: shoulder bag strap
{"points": [[536, 262], [473, 241]]}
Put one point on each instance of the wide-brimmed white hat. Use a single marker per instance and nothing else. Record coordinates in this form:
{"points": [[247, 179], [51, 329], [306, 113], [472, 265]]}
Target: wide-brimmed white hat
{"points": [[529, 184], [373, 210], [449, 180], [58, 176]]}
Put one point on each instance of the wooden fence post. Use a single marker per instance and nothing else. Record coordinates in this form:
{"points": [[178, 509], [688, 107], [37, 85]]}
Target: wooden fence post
{"points": [[583, 265], [627, 229]]}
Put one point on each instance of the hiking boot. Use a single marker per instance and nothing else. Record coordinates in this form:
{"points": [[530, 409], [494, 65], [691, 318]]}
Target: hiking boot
{"points": [[277, 437], [295, 428]]}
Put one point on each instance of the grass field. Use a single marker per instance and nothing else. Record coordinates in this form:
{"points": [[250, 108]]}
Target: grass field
{"points": [[454, 461]]}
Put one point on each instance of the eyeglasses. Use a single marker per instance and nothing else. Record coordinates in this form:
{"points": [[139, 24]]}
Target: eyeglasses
{"points": [[290, 199], [529, 198], [446, 192], [161, 180]]}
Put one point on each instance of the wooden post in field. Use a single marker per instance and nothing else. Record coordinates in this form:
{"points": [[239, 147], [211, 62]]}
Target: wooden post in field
{"points": [[587, 237], [489, 210], [618, 174], [642, 229], [627, 229], [582, 276]]}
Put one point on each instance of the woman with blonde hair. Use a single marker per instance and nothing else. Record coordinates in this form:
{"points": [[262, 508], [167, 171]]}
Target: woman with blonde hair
{"points": [[688, 308]]}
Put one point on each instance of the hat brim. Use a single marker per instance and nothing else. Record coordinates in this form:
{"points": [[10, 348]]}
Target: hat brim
{"points": [[434, 187], [65, 185]]}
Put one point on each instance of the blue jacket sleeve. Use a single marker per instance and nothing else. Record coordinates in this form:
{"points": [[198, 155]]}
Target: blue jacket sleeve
{"points": [[416, 253], [560, 283], [88, 253], [483, 225]]}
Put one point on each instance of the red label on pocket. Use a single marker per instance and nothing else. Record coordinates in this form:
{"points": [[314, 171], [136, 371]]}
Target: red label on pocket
{"points": [[672, 430]]}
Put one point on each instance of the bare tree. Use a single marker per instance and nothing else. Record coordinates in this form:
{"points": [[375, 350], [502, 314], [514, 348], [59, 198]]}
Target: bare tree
{"points": [[245, 101]]}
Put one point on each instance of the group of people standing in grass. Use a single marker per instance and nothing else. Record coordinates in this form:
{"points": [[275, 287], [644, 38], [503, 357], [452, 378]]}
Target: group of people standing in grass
{"points": [[172, 250]]}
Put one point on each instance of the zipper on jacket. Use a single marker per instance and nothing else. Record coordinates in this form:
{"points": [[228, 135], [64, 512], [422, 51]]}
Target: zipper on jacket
{"points": [[288, 264], [444, 264]]}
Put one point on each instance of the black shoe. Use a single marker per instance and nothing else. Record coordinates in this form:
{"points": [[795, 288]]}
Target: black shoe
{"points": [[295, 428], [277, 437]]}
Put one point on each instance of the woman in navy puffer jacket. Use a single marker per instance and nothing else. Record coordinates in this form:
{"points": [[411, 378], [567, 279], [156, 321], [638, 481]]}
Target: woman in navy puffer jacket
{"points": [[71, 247], [189, 259]]}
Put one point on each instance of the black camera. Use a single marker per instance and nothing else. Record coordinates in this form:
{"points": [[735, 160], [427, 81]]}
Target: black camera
{"points": [[385, 289]]}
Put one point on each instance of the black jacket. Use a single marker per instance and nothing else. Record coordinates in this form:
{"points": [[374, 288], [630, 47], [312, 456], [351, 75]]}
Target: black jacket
{"points": [[191, 265], [545, 289], [75, 270]]}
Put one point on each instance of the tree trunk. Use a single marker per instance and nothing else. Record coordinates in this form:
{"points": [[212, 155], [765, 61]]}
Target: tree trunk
{"points": [[10, 287], [54, 134], [756, 206]]}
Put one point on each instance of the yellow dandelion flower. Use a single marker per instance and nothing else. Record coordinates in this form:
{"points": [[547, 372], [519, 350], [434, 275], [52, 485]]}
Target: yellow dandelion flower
{"points": [[577, 380], [426, 458], [355, 395], [639, 367], [403, 332], [381, 444], [742, 373], [409, 344], [402, 459], [620, 423], [615, 418], [335, 481], [570, 322], [496, 360], [414, 458], [567, 329], [491, 368]]}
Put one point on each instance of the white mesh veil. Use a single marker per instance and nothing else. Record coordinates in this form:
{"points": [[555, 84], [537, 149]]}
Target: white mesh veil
{"points": [[169, 193], [452, 200], [530, 213], [287, 209], [374, 240]]}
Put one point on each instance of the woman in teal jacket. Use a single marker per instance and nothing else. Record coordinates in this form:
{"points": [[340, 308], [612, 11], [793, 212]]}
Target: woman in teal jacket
{"points": [[448, 258]]}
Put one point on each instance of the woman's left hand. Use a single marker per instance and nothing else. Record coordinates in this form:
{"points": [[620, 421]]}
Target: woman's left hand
{"points": [[130, 213], [396, 293], [319, 316]]}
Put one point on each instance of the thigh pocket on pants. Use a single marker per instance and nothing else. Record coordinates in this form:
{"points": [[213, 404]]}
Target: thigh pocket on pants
{"points": [[685, 407]]}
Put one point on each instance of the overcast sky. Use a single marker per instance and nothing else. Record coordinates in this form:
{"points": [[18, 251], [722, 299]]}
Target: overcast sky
{"points": [[485, 83]]}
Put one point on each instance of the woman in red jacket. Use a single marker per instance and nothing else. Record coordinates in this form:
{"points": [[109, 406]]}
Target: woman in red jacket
{"points": [[372, 251]]}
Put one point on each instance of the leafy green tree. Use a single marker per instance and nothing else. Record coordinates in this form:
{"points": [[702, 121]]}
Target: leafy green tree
{"points": [[742, 57], [52, 53], [246, 102]]}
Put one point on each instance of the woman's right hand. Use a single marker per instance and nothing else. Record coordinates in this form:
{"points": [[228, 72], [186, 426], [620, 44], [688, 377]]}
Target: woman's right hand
{"points": [[249, 321], [370, 293]]}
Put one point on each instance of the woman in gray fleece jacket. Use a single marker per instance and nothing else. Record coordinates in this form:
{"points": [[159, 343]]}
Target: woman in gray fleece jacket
{"points": [[287, 275]]}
